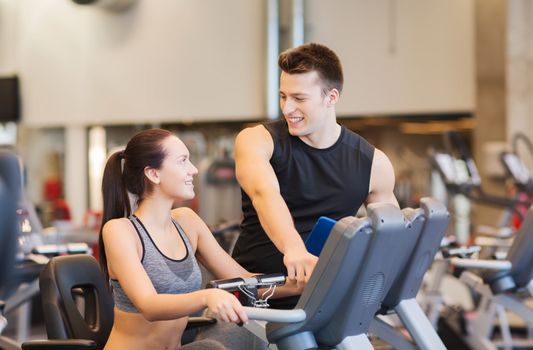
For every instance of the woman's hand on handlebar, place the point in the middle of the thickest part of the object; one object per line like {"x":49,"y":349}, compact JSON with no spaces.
{"x":225,"y":306}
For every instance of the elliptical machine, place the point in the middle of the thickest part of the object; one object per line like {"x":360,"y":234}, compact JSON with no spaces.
{"x":465,"y":182}
{"x":9,"y":230}
{"x":521,"y":182}
{"x":28,"y":254}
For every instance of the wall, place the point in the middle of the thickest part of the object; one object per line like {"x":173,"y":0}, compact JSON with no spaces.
{"x":171,"y":60}
{"x":164,"y":60}
{"x":8,"y":37}
{"x":168,"y":61}
{"x":491,"y":103}
{"x":399,"y":56}
{"x":519,"y":67}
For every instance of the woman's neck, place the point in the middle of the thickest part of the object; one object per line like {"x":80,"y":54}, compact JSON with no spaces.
{"x":155,"y":212}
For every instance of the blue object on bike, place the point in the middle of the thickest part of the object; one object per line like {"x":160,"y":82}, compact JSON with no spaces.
{"x":319,"y":234}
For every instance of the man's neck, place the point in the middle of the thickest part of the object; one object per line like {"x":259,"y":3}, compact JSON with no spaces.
{"x":324,"y":137}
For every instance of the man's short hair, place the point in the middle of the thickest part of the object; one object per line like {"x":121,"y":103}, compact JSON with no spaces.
{"x":314,"y":57}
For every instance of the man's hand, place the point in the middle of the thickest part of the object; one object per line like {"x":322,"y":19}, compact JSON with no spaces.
{"x":300,"y":264}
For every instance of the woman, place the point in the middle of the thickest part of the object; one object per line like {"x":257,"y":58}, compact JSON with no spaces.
{"x":149,"y":253}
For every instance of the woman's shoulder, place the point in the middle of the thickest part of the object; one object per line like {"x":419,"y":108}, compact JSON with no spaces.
{"x":122,"y":225}
{"x":184,"y":214}
{"x":190,"y":222}
{"x":117,"y":223}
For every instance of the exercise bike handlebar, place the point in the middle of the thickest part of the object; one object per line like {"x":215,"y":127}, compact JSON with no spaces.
{"x":459,"y":252}
{"x":495,"y":232}
{"x":498,"y":265}
{"x":258,"y":281}
{"x":495,"y":242}
{"x":275,"y":315}
{"x":235,"y":284}
{"x":498,"y":201}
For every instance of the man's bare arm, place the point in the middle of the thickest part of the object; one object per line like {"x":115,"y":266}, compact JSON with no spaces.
{"x":381,"y":180}
{"x":253,"y":150}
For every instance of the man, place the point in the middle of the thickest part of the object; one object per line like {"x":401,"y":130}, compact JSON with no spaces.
{"x":297,"y":169}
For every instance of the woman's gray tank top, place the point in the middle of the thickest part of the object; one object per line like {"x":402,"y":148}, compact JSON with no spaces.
{"x":169,"y":276}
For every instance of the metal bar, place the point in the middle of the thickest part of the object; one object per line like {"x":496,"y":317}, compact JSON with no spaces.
{"x":418,"y":325}
{"x":272,"y":76}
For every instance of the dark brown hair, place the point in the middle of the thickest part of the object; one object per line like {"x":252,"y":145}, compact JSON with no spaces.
{"x":314,"y":57}
{"x":124,"y":172}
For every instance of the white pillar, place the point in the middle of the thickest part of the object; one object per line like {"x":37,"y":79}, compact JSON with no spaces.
{"x":272,"y":99}
{"x":520,"y":70}
{"x":297,"y":23}
{"x":76,"y":171}
{"x":97,"y":159}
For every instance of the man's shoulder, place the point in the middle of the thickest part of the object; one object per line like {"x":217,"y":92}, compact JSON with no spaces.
{"x":277,"y":128}
{"x":270,"y":131}
{"x":254,"y":133}
{"x":353,"y":139}
{"x":253,"y":140}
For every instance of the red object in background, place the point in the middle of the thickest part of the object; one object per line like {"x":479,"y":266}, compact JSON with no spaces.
{"x":52,"y":189}
{"x":61,"y":210}
{"x":96,"y":250}
{"x":53,"y":192}
{"x":517,"y":220}
{"x":93,"y":220}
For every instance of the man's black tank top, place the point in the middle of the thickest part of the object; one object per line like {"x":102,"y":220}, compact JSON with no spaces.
{"x":331,"y":182}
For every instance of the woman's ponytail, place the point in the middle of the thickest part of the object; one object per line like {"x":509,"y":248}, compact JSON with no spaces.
{"x":115,"y":197}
